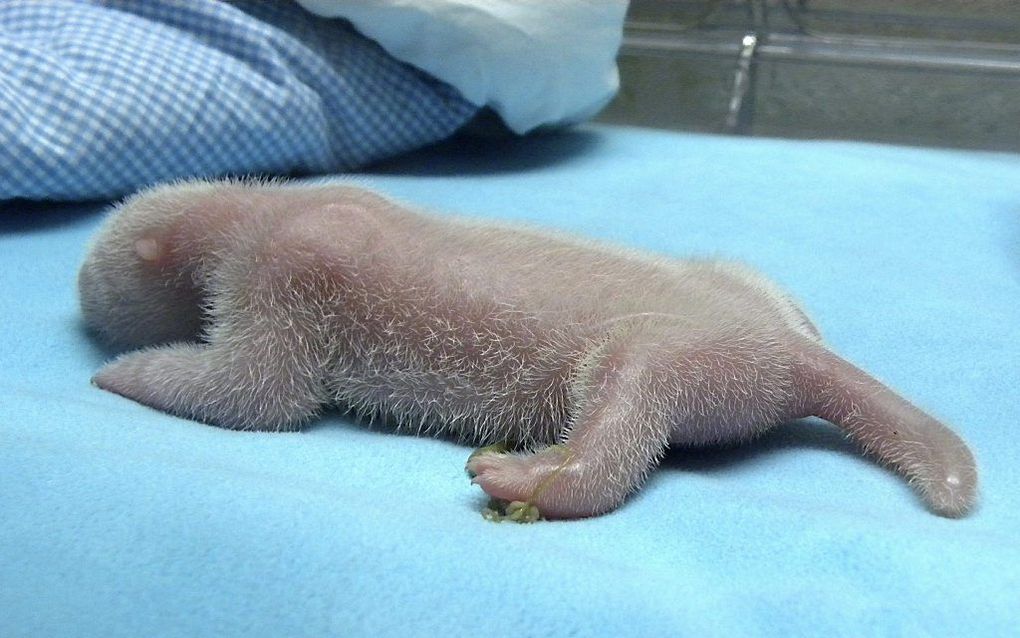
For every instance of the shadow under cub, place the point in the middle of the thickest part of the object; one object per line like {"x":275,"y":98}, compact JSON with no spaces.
{"x":809,"y":433}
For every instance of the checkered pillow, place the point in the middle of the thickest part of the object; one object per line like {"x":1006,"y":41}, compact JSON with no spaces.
{"x":99,"y":98}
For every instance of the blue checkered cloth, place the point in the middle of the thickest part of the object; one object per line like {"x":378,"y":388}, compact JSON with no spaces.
{"x":100,"y":98}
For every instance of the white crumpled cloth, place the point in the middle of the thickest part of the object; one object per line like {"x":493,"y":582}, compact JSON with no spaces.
{"x":535,"y":62}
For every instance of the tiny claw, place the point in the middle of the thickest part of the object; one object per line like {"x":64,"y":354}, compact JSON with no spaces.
{"x":495,"y":448}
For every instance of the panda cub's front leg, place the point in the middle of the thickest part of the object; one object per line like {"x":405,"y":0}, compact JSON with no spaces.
{"x":261,"y":368}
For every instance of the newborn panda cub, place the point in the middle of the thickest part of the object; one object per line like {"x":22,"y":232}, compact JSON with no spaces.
{"x":253,"y":306}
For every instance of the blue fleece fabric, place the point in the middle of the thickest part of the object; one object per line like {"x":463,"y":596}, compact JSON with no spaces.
{"x":121,"y":521}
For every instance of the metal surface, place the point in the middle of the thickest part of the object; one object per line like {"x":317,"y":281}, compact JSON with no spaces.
{"x":933,"y":55}
{"x":930,"y":72}
{"x":738,"y":115}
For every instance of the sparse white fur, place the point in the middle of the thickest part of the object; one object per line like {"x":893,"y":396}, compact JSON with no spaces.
{"x":256,"y":304}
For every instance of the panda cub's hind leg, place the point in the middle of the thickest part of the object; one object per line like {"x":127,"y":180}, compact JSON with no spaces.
{"x":620,"y":427}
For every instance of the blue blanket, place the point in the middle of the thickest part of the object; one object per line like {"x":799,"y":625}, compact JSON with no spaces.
{"x":121,"y":521}
{"x":101,"y":97}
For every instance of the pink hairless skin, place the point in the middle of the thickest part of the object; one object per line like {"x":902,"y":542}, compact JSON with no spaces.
{"x":252,"y":306}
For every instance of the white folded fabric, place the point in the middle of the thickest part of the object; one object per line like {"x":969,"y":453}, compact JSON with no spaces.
{"x":535,"y":62}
